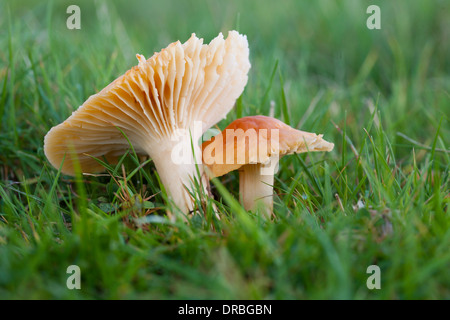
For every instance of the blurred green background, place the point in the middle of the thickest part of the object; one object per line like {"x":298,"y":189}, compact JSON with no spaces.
{"x":316,"y":66}
{"x":324,"y":50}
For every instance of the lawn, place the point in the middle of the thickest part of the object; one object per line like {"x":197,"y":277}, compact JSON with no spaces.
{"x":381,"y":197}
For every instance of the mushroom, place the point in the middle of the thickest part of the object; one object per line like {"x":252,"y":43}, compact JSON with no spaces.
{"x":161,"y":105}
{"x":254,"y":145}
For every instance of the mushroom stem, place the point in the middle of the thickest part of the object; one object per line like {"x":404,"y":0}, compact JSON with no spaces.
{"x":177,"y":173}
{"x":256,"y":187}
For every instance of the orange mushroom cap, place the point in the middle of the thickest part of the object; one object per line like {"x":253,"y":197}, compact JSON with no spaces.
{"x":255,"y":139}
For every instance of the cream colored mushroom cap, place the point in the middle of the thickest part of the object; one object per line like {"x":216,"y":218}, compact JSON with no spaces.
{"x":175,"y":87}
{"x":255,"y":139}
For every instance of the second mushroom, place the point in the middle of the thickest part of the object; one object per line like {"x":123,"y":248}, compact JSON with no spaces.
{"x":254,"y":145}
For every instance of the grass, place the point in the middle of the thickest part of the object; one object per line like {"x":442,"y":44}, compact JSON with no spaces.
{"x":380,"y":198}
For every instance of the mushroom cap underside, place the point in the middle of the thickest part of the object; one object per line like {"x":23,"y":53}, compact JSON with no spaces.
{"x":181,"y":84}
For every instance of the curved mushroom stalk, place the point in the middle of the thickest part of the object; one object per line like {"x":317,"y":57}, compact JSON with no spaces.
{"x":178,"y":162}
{"x":175,"y":88}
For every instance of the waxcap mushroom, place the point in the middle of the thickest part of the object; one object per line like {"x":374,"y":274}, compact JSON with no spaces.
{"x":254,"y":145}
{"x":176,"y":90}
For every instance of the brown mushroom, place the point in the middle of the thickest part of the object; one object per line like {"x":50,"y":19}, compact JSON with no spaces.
{"x":254,"y":145}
